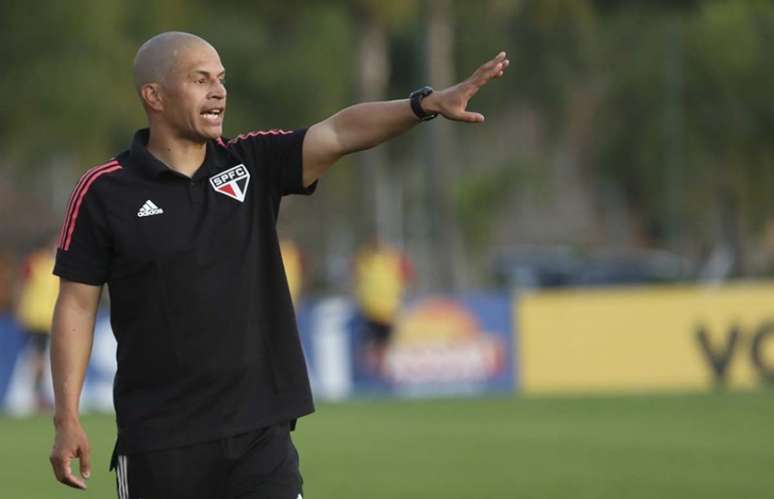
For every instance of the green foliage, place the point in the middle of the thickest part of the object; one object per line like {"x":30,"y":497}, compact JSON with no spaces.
{"x":72,"y":88}
{"x":63,"y":87}
{"x":684,"y":121}
{"x":676,"y":95}
{"x":479,"y":197}
{"x":284,"y":73}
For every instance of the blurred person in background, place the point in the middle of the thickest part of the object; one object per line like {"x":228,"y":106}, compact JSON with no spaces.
{"x":7,"y":278}
{"x":293,"y":262}
{"x":382,"y":273}
{"x":182,"y":227}
{"x":764,"y":261}
{"x":34,"y":313}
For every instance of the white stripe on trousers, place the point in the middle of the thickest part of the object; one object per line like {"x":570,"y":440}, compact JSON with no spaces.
{"x":119,"y":481}
{"x":123,"y":484}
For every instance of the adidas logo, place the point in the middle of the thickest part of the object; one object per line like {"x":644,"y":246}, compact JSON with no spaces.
{"x":149,"y":209}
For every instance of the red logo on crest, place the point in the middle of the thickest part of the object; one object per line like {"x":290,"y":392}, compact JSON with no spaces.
{"x":232,"y":182}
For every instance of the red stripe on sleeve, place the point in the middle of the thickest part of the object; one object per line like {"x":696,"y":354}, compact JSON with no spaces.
{"x":73,"y":219}
{"x":84,"y":178}
{"x":243,"y":136}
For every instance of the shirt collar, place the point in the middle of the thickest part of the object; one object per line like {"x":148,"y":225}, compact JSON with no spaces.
{"x":154,"y":168}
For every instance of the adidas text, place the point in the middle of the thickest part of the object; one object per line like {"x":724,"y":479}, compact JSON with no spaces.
{"x":148,"y":209}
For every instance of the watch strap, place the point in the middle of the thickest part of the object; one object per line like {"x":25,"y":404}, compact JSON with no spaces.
{"x":416,"y":103}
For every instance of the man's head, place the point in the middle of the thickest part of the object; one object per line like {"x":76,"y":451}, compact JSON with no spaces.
{"x":180,"y":80}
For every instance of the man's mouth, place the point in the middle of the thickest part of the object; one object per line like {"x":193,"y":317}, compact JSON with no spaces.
{"x":213,"y":115}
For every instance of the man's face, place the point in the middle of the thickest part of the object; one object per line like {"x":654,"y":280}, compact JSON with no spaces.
{"x":195,"y":94}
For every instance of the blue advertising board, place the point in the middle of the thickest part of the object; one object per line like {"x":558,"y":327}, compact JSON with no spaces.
{"x":438,"y":345}
{"x":17,"y":390}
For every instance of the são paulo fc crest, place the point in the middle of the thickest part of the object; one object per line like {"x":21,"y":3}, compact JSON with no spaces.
{"x":232,"y":182}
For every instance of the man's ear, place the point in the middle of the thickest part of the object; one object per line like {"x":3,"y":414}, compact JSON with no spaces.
{"x":152,"y":96}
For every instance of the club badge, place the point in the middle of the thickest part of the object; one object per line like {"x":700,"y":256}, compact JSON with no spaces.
{"x":232,"y":182}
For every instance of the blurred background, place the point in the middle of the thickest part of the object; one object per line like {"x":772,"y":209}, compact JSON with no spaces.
{"x":572,"y":298}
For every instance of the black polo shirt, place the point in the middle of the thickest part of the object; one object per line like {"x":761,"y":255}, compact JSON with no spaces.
{"x":207,"y":339}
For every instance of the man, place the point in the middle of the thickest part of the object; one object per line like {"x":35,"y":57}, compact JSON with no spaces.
{"x":181,"y":227}
{"x":34,"y":310}
{"x":382,"y":274}
{"x":293,"y":262}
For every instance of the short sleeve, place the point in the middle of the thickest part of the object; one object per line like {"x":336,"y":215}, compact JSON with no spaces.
{"x":280,"y":154}
{"x":83,"y":254}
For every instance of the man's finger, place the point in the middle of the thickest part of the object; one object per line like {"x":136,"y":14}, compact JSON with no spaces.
{"x":72,"y":480}
{"x":494,"y":60}
{"x":487,"y":75}
{"x":499,"y":67}
{"x":85,"y":463}
{"x":498,"y":59}
{"x":494,"y":71}
{"x":502,"y":71}
{"x":488,"y":66}
{"x":470,"y":117}
{"x":64,"y":474}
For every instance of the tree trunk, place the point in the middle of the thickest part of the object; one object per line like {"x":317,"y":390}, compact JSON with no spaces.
{"x":381,"y":210}
{"x":441,"y":168}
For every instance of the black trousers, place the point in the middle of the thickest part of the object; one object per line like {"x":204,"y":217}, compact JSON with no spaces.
{"x":261,"y":464}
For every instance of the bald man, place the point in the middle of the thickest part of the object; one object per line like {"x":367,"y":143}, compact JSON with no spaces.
{"x":181,"y":228}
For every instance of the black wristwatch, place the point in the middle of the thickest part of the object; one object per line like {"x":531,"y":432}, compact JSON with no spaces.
{"x":416,"y":103}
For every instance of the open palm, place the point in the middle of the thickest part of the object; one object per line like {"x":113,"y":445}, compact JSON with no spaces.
{"x":452,"y":102}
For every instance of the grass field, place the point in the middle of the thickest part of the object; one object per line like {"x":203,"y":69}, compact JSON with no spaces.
{"x":669,"y":446}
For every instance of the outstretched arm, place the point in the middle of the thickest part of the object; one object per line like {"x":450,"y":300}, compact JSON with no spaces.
{"x":366,"y":125}
{"x":71,"y":340}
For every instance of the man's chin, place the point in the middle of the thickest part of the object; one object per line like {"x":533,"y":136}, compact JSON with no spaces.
{"x":216,"y":134}
{"x":211,"y":132}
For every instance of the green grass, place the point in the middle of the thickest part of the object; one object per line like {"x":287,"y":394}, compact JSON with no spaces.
{"x":668,"y":446}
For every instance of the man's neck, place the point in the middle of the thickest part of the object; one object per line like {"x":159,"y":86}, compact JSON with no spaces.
{"x":181,"y":155}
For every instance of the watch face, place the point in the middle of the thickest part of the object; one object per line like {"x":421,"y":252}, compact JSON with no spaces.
{"x":422,"y":92}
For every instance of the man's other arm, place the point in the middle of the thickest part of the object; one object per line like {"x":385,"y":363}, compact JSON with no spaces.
{"x":71,"y":340}
{"x":366,"y":125}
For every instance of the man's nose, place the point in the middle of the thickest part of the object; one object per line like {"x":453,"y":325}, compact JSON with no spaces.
{"x":218,"y":91}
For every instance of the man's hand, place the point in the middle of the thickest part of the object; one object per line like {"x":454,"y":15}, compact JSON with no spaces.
{"x":452,"y":102}
{"x":70,"y":443}
{"x":366,"y":125}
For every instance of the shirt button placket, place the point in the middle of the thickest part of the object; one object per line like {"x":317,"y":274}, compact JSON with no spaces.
{"x":195,"y":191}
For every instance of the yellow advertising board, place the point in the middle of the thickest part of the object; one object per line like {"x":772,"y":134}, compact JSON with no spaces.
{"x":654,"y":338}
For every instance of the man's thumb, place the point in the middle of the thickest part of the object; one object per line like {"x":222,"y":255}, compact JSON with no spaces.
{"x":471,"y":117}
{"x":85,"y":464}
